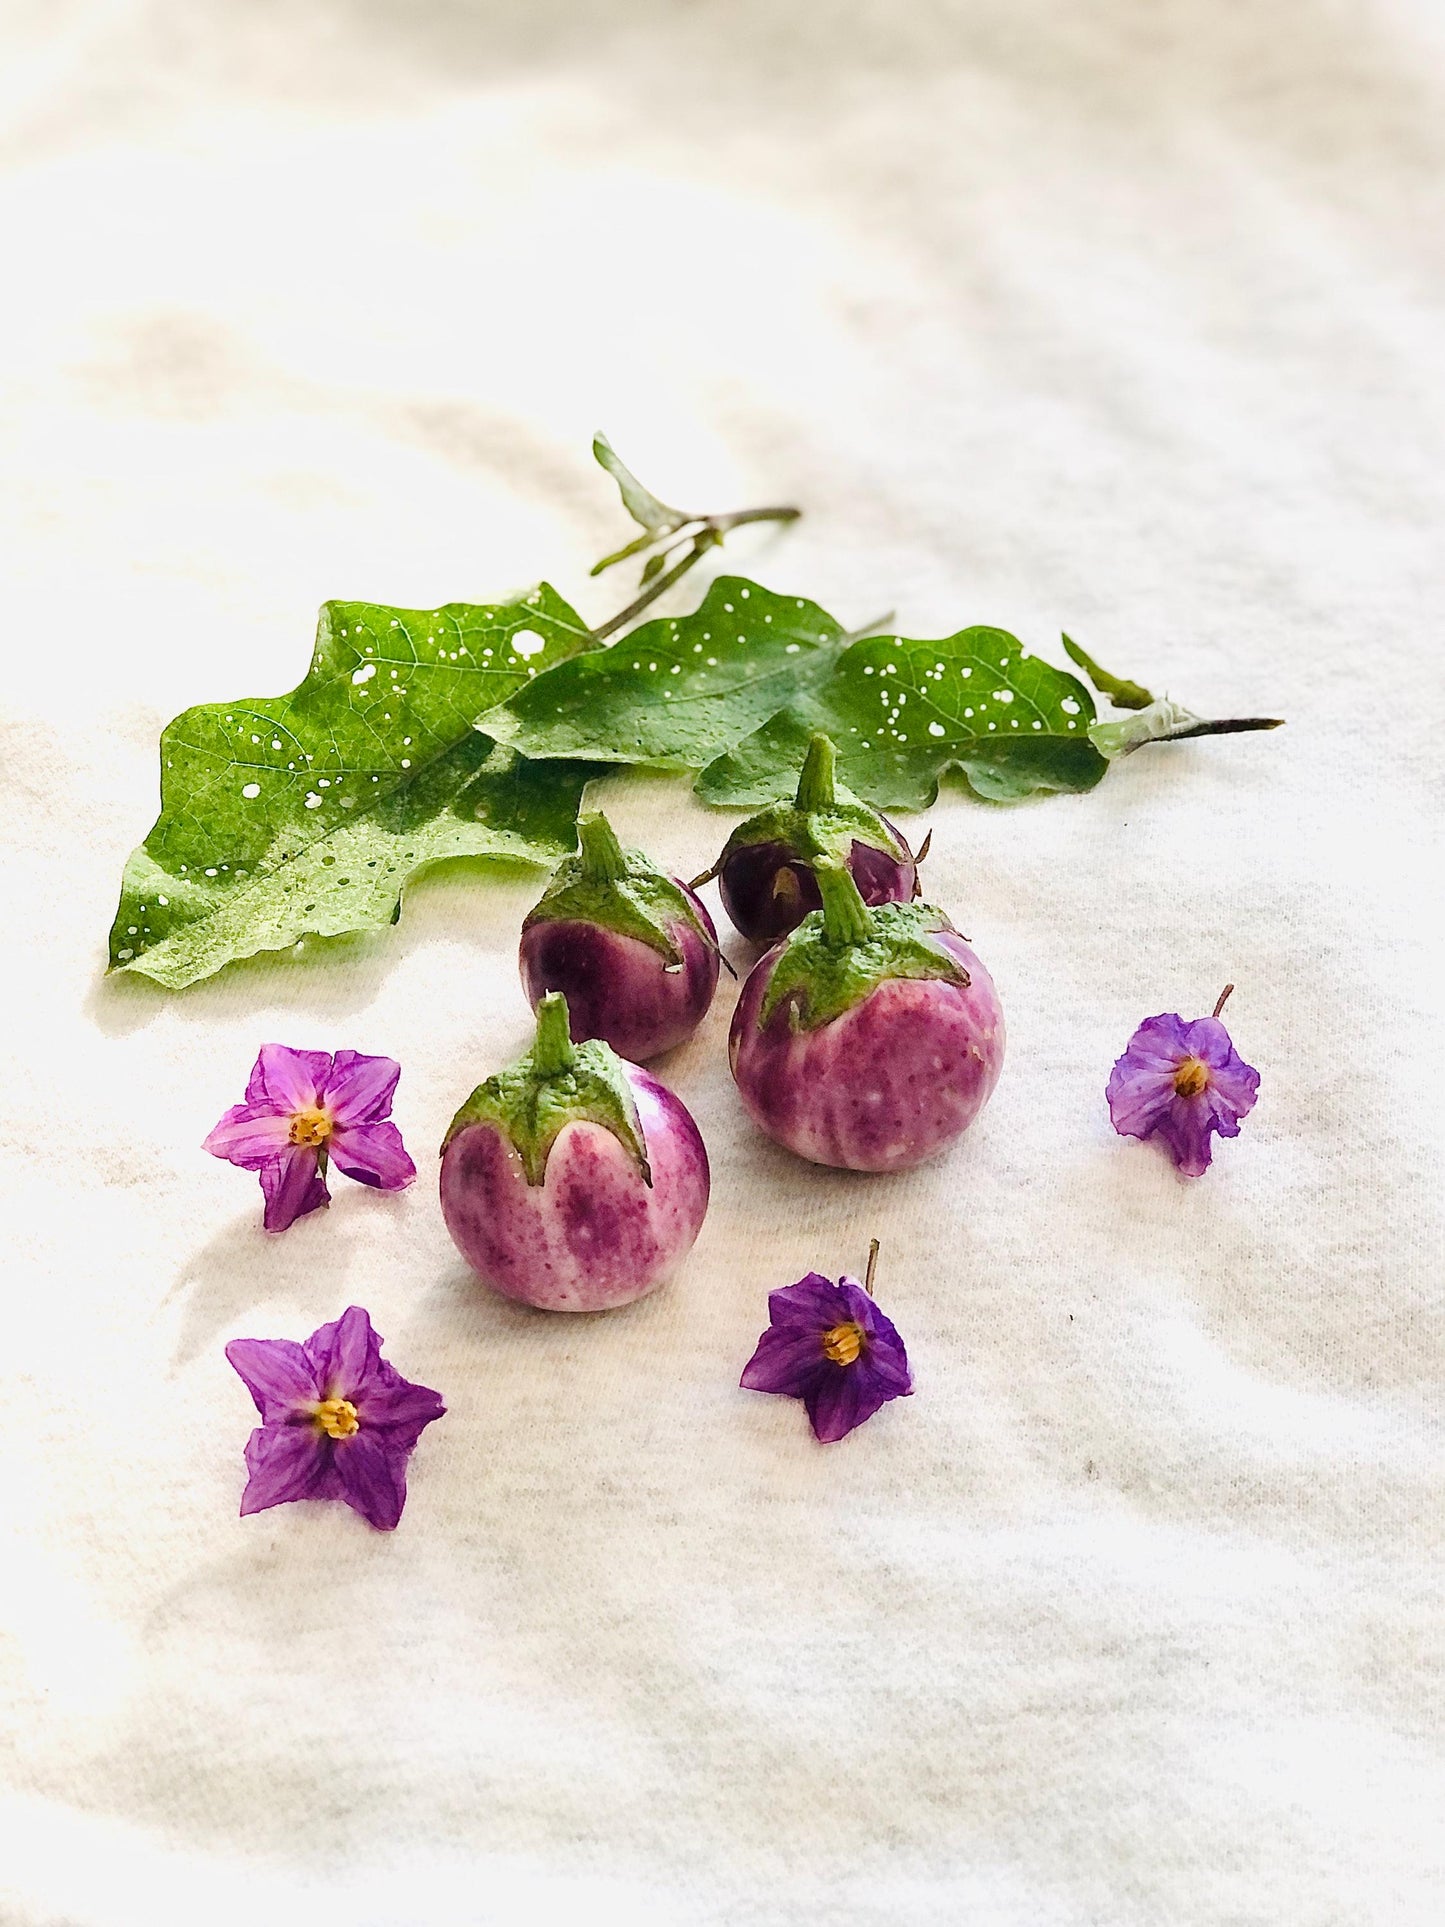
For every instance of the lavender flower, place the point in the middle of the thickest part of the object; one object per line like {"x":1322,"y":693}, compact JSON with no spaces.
{"x":304,"y":1108}
{"x":830,"y":1346}
{"x":1180,"y":1083}
{"x":337,"y":1422}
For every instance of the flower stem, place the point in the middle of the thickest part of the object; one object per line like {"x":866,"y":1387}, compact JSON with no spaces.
{"x":1224,"y":997}
{"x":846,"y":917}
{"x":552,"y":1052}
{"x":602,"y":858}
{"x":708,"y":532}
{"x":872,"y":1266}
{"x":816,"y":784}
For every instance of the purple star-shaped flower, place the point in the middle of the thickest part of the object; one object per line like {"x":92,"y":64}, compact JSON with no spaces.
{"x":305,"y":1108}
{"x":1180,"y":1083}
{"x":830,"y":1346}
{"x":337,"y":1422}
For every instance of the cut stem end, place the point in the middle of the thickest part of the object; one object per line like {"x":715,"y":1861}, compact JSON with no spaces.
{"x":846,"y":917}
{"x":817,"y":782}
{"x":552,"y":1052}
{"x":602,"y":858}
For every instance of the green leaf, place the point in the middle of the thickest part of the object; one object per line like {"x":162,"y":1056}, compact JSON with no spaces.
{"x":677,"y":693}
{"x":641,"y":504}
{"x":903,"y":712}
{"x":306,"y":813}
{"x":1122,"y":694}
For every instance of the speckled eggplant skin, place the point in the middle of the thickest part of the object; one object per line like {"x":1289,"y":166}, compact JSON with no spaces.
{"x":884,"y":1086}
{"x":592,"y":1235}
{"x":619,"y":988}
{"x":767,"y":889}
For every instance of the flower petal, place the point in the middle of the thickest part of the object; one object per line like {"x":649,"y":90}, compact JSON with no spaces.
{"x":1232,"y":1082}
{"x":372,"y":1154}
{"x":287,"y":1462}
{"x":293,"y":1186}
{"x":249,"y":1137}
{"x":843,"y":1400}
{"x":289,"y":1079}
{"x":389,"y":1403}
{"x":788,"y":1359}
{"x":815,"y":1302}
{"x":371,"y":1471}
{"x":885,"y":1357}
{"x":277,"y":1374}
{"x":1185,"y":1130}
{"x":359,"y":1089}
{"x":1141,"y":1084}
{"x":344,"y":1353}
{"x":1160,"y":1040}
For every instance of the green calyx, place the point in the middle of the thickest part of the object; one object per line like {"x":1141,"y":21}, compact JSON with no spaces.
{"x":556,"y":1084}
{"x":618,"y":889}
{"x":821,"y":821}
{"x":841,"y":953}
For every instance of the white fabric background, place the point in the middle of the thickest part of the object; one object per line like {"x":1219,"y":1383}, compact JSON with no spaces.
{"x":1123,"y":319}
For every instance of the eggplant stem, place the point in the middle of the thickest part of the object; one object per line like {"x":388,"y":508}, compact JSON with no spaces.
{"x":1224,"y":997}
{"x":553,"y":1052}
{"x":816,"y":782}
{"x":602,"y":858}
{"x":872,"y":1266}
{"x":846,"y":917}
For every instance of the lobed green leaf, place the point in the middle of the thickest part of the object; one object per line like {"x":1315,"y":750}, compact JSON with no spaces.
{"x":306,"y":813}
{"x":903,"y":712}
{"x":677,"y":693}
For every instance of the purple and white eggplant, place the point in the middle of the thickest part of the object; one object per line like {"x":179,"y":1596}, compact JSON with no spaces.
{"x":573,"y":1180}
{"x":766,"y":870}
{"x":633,"y":951}
{"x":871,"y":1037}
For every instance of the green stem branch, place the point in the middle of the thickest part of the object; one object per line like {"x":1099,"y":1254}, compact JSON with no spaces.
{"x":707,"y":532}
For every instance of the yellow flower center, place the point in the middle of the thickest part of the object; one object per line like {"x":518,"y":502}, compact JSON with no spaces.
{"x":843,"y":1343}
{"x":1191,"y":1077}
{"x":310,"y":1127}
{"x":337,"y":1417}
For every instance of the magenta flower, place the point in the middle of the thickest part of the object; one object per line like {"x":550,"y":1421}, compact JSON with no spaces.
{"x":830,"y":1346}
{"x":305,"y":1108}
{"x":337,"y":1422}
{"x":1180,"y":1083}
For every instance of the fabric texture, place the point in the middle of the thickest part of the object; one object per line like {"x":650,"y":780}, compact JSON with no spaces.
{"x":1121,"y":319}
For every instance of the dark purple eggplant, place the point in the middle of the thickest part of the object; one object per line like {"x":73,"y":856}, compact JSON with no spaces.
{"x":765,"y":871}
{"x":633,"y":951}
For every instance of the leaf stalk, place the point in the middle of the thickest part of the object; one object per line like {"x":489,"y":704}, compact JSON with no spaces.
{"x":701,"y":532}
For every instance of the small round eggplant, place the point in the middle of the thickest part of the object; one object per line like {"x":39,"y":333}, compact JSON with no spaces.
{"x":633,"y":951}
{"x":870,"y":1038}
{"x":766,"y":870}
{"x":573,"y":1181}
